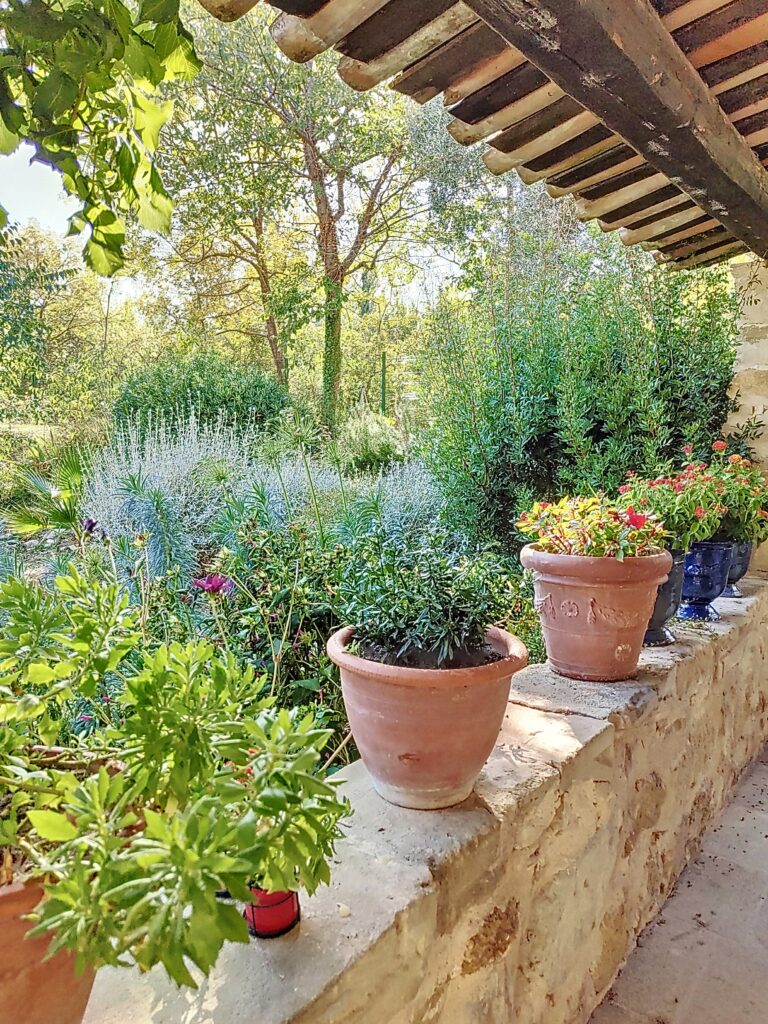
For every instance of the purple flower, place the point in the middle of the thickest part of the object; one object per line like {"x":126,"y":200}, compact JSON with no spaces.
{"x":214,"y":583}
{"x":86,"y":718}
{"x":89,"y":525}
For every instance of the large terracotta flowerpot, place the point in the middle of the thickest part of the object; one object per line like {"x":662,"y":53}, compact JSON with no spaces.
{"x":424,"y":734}
{"x":707,"y":565}
{"x":594,"y":611}
{"x":34,"y":991}
{"x":668,"y":599}
{"x":742,"y":553}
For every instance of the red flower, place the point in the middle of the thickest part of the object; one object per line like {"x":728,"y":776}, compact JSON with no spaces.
{"x":636,"y":519}
{"x":719,"y":446}
{"x":699,"y":512}
{"x":688,"y":449}
{"x":624,"y":488}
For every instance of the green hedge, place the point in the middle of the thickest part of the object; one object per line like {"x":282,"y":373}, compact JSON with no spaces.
{"x":208,"y":384}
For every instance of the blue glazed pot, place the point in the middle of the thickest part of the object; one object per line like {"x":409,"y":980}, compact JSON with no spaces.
{"x":667,"y":602}
{"x":742,"y":553}
{"x":707,"y":565}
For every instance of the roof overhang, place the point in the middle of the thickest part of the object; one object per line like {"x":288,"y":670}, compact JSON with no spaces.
{"x":653,"y":115}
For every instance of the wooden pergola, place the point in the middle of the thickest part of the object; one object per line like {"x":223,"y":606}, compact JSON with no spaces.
{"x":653,"y":114}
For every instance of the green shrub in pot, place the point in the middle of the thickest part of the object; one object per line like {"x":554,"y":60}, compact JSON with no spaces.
{"x":425,"y":674}
{"x":189,"y":785}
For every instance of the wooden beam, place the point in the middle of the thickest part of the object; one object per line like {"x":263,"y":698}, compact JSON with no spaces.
{"x":711,"y":256}
{"x":617,"y":59}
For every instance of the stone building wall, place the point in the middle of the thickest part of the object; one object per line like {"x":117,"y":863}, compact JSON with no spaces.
{"x":751,"y":279}
{"x":521,"y":904}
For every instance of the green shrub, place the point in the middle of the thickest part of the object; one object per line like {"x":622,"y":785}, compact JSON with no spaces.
{"x":569,"y":376}
{"x":207,"y":384}
{"x":368,"y":442}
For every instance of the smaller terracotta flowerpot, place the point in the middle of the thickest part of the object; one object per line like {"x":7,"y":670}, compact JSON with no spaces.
{"x":424,"y":734}
{"x":594,"y":611}
{"x":270,"y":914}
{"x":668,"y":599}
{"x":742,"y":554}
{"x":707,"y":565}
{"x":34,"y":990}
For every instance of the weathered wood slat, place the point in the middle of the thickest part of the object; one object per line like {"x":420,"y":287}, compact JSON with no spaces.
{"x":660,"y":227}
{"x":618,"y":181}
{"x":390,"y":26}
{"x":537,"y":125}
{"x":666,"y":193}
{"x":362,"y":75}
{"x":301,"y":39}
{"x":712,"y":256}
{"x":706,"y":248}
{"x":434,"y":73}
{"x":629,"y":199}
{"x":676,"y":250}
{"x":498,"y":161}
{"x":228,"y":10}
{"x":689,"y":10}
{"x":525,"y":107}
{"x":744,"y":95}
{"x":503,"y":91}
{"x":300,"y":8}
{"x":675,"y":234}
{"x":617,"y":59}
{"x":739,"y":38}
{"x":729,"y":68}
{"x":720,"y":258}
{"x":719,"y":23}
{"x":583,"y":143}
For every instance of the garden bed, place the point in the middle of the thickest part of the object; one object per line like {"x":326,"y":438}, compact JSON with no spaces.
{"x":523,"y":902}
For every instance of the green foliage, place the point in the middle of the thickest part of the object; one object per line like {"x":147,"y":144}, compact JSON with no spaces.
{"x":570,"y":373}
{"x":422,"y":597}
{"x":213,"y":387}
{"x":594,"y":527}
{"x":194,"y":786}
{"x":77,"y":83}
{"x":49,"y":503}
{"x":23,"y":288}
{"x":368,"y":442}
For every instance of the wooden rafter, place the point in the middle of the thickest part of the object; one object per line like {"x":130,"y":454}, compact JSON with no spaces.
{"x":618,"y":60}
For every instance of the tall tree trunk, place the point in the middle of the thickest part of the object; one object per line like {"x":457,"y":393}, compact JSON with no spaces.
{"x":331,"y":351}
{"x":265,"y":285}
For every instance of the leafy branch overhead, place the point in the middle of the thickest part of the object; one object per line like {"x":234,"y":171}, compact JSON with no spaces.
{"x":77,"y":82}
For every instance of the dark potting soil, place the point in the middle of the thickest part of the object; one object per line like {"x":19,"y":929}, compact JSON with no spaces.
{"x":428,"y":659}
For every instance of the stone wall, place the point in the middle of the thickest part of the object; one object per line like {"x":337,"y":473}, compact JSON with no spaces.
{"x":521,"y":904}
{"x":751,"y":280}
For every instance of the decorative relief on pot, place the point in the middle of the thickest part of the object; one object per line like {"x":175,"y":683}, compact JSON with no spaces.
{"x":618,"y":617}
{"x":622,"y":652}
{"x":570,"y":609}
{"x":545,"y":606}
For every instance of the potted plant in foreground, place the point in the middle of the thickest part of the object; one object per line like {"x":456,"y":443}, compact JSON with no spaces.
{"x":688,"y":507}
{"x":116,"y":840}
{"x":425,"y":675}
{"x":745,"y":523}
{"x":596,"y":568}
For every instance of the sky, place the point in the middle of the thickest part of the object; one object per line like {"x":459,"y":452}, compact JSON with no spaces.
{"x":33,"y":192}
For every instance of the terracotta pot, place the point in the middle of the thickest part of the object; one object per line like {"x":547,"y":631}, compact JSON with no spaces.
{"x":594,"y":611}
{"x":270,"y":914}
{"x":424,"y":734}
{"x":34,"y":991}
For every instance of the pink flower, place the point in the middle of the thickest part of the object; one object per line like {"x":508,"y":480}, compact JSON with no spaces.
{"x":719,"y":446}
{"x":688,"y":449}
{"x":699,"y":512}
{"x":624,"y":488}
{"x":214,"y":583}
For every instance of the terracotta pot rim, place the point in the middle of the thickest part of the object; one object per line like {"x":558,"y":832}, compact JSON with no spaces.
{"x":442,"y":678}
{"x":19,"y":891}
{"x":599,"y":568}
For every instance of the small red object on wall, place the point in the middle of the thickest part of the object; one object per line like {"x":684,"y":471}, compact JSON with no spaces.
{"x":270,"y":914}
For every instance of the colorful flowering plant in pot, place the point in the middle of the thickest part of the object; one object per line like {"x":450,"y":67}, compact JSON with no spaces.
{"x":114,"y":843}
{"x":745,"y":494}
{"x":425,"y":674}
{"x":688,"y":505}
{"x":597,"y":567}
